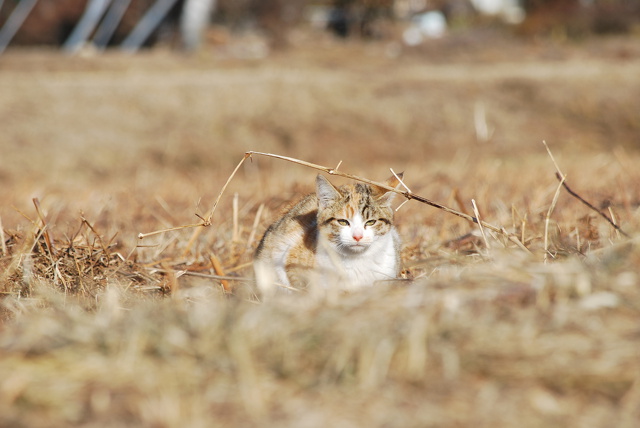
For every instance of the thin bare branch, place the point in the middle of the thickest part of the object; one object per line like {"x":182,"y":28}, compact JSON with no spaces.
{"x":603,"y":215}
{"x":562,"y":178}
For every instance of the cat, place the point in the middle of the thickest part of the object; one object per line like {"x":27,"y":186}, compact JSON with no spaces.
{"x":341,"y":236}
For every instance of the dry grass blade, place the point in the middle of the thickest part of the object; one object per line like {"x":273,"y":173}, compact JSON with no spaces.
{"x":172,"y":280}
{"x":2,"y":239}
{"x":100,"y":241}
{"x":254,"y":227}
{"x":403,"y":185}
{"x":45,"y":232}
{"x":206,"y":275}
{"x":477,"y":213}
{"x":235,"y":237}
{"x":400,"y":180}
{"x":217,"y":201}
{"x":613,"y":219}
{"x":548,"y":219}
{"x":206,"y":221}
{"x":217,"y":268}
{"x":170,"y":229}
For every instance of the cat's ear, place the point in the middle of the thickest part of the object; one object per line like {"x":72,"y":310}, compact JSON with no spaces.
{"x":327,"y":194}
{"x":385,"y":196}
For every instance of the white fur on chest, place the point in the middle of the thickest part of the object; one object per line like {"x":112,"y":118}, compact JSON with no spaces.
{"x":378,"y":262}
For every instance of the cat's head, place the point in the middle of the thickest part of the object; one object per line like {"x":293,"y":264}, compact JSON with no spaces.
{"x":354,"y":216}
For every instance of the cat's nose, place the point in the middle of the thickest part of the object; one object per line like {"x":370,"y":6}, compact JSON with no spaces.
{"x":357,"y":235}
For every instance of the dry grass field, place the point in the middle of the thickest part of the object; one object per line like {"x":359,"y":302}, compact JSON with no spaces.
{"x":101,"y":329}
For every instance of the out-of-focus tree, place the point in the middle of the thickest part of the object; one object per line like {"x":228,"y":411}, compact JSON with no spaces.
{"x":274,"y":18}
{"x":361,"y":18}
{"x":576,"y":18}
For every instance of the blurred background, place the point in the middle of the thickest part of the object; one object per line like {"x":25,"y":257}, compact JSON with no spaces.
{"x":121,"y":117}
{"x":187,"y":24}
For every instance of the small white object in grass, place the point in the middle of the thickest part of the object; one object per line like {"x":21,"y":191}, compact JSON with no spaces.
{"x":602,"y":299}
{"x":545,"y":402}
{"x":452,"y":302}
{"x":626,"y":279}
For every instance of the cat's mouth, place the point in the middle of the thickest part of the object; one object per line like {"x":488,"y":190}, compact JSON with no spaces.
{"x":357,"y":247}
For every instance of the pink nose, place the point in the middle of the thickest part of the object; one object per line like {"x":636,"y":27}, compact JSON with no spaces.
{"x":357,"y":236}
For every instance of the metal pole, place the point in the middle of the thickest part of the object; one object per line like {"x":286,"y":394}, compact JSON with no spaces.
{"x":92,"y":14}
{"x":15,"y":20}
{"x":110,"y":23}
{"x":147,"y":24}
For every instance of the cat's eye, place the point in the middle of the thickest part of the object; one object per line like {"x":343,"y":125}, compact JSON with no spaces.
{"x":370,"y":222}
{"x":342,"y":222}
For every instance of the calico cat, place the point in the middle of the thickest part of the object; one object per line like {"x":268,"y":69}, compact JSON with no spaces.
{"x":338,"y":236}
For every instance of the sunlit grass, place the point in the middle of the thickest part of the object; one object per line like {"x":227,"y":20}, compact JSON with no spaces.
{"x":100,"y":328}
